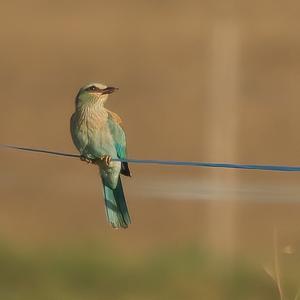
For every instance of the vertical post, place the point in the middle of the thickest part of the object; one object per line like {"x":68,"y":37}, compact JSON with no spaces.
{"x":222,"y":128}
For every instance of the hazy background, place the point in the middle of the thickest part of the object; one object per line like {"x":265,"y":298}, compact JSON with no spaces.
{"x":199,"y":80}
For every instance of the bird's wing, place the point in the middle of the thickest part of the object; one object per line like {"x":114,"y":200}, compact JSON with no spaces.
{"x":118,"y":134}
{"x":79,"y":141}
{"x":119,"y":139}
{"x":114,"y":116}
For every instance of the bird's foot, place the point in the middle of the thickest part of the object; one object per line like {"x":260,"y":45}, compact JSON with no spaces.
{"x":106,"y":159}
{"x":85,"y":159}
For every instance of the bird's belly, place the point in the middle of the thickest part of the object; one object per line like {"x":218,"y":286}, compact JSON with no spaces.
{"x":95,"y":140}
{"x":99,"y":142}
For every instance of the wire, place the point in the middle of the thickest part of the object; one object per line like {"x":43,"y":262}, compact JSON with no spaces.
{"x":39,"y":150}
{"x":170,"y":162}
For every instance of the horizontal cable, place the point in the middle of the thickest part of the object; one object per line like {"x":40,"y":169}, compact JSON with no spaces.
{"x":39,"y":150}
{"x":170,"y":162}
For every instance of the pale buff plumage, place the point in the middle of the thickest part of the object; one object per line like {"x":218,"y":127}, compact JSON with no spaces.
{"x":96,"y":132}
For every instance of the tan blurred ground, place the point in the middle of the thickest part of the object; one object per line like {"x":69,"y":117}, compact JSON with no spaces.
{"x":159,"y":54}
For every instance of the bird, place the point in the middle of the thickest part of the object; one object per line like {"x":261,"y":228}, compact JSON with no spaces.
{"x":98,"y":135}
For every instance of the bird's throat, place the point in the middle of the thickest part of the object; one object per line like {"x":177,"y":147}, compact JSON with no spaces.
{"x":92,"y":112}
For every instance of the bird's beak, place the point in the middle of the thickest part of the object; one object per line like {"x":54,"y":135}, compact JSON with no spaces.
{"x":109,"y":90}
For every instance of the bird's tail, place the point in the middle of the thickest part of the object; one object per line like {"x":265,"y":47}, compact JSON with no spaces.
{"x":116,"y":208}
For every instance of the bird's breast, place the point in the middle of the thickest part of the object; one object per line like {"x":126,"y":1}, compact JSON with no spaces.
{"x":94,"y":129}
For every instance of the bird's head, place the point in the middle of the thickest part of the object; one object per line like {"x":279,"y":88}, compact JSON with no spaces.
{"x":93,"y":93}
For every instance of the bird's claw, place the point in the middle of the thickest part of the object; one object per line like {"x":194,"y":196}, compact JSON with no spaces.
{"x":85,"y":159}
{"x":106,"y":159}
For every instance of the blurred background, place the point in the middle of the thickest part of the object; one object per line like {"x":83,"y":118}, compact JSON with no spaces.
{"x":199,"y":80}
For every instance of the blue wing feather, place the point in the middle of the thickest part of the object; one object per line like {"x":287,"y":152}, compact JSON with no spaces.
{"x":118,"y":136}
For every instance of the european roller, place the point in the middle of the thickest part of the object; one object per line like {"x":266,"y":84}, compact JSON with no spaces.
{"x":98,"y":135}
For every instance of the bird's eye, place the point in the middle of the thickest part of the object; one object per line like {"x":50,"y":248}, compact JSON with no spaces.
{"x":92,"y":88}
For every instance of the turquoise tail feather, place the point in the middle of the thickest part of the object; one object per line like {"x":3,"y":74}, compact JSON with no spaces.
{"x":116,"y":208}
